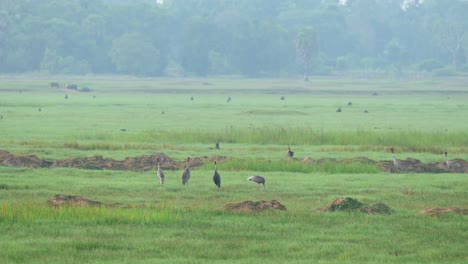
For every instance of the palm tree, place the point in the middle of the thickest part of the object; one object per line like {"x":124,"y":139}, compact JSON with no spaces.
{"x":306,"y":49}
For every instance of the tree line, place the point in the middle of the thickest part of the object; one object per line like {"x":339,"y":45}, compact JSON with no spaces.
{"x":252,"y":38}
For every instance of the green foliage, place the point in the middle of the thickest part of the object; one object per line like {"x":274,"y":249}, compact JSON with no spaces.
{"x":135,"y":55}
{"x":54,"y":64}
{"x":252,"y":38}
{"x":307,"y":49}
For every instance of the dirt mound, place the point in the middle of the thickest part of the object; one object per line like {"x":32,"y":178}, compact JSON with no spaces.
{"x":145,"y":162}
{"x":148,"y":162}
{"x":438,"y":211}
{"x":308,"y":160}
{"x":253,"y":207}
{"x":349,"y":204}
{"x":30,"y":161}
{"x":358,"y":160}
{"x":416,"y":166}
{"x":71,"y":200}
{"x":455,"y":165}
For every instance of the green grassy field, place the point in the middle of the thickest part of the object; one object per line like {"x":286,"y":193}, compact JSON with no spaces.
{"x":126,"y":117}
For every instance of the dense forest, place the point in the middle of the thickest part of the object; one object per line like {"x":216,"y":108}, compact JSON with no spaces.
{"x":252,"y":38}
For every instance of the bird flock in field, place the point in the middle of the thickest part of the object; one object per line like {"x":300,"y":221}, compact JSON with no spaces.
{"x":216,"y":176}
{"x":399,"y":165}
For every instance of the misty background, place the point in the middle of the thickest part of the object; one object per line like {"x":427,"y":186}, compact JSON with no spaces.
{"x":251,"y":38}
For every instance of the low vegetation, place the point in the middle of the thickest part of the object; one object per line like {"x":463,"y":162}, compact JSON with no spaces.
{"x":171,"y":223}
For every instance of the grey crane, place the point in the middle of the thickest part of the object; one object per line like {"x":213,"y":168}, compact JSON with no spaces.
{"x":290,"y":152}
{"x":216,"y":176}
{"x":451,"y":164}
{"x":161,"y":175}
{"x":186,"y":174}
{"x":398,"y":164}
{"x":257,"y":179}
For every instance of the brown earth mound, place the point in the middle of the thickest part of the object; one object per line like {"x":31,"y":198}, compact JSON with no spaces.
{"x":30,"y":161}
{"x":438,"y":211}
{"x":148,"y":162}
{"x":71,"y":200}
{"x":143,"y":163}
{"x":416,"y":166}
{"x":139,"y":163}
{"x":253,"y":207}
{"x":349,"y":204}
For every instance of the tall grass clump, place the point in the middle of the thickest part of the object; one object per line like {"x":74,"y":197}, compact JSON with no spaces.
{"x":294,"y":166}
{"x":30,"y":212}
{"x":310,"y":136}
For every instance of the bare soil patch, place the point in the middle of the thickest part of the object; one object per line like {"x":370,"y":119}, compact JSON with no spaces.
{"x":148,"y":162}
{"x":30,"y":161}
{"x":349,"y":204}
{"x":139,"y":163}
{"x":60,"y":200}
{"x":254,"y":207}
{"x":438,"y":211}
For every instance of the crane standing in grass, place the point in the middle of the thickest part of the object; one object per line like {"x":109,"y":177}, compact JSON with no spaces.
{"x":257,"y":179}
{"x":451,"y":164}
{"x":216,"y":176}
{"x":186,"y":174}
{"x":447,"y":163}
{"x":160,"y":173}
{"x":290,"y":152}
{"x":398,"y":164}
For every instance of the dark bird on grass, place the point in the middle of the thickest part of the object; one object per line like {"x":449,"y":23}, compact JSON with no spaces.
{"x":290,"y":152}
{"x":257,"y":179}
{"x":217,"y":145}
{"x":365,"y":111}
{"x":398,"y":163}
{"x":350,"y":103}
{"x":282,"y":98}
{"x":338,"y":110}
{"x":39,"y":109}
{"x":216,"y":176}
{"x":229,"y":99}
{"x":186,"y":174}
{"x":191,"y":98}
{"x":66,"y":96}
{"x":161,"y":175}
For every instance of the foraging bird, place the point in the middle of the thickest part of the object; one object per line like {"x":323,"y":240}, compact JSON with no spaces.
{"x":161,"y":175}
{"x":186,"y":174}
{"x":216,"y":176}
{"x":217,"y":145}
{"x":257,"y":179}
{"x":350,"y":103}
{"x":282,"y":98}
{"x":338,"y":110}
{"x":290,"y":152}
{"x":229,"y":99}
{"x":398,"y":164}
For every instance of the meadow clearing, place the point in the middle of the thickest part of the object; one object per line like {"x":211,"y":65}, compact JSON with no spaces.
{"x":126,"y":117}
